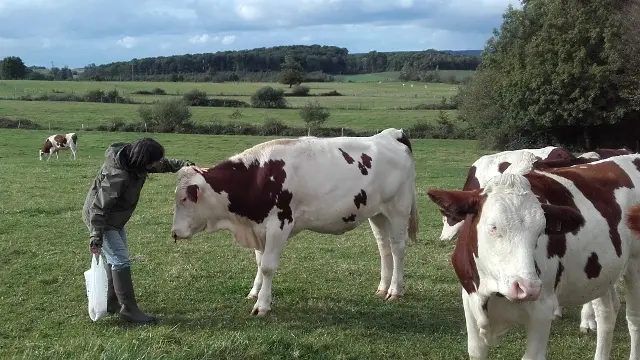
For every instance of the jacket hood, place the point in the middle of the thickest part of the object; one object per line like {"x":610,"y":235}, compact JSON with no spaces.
{"x":114,"y":156}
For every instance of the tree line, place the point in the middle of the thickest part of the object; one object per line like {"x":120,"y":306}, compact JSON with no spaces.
{"x":559,"y":72}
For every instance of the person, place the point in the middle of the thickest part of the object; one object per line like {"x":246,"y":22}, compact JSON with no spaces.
{"x":109,"y":204}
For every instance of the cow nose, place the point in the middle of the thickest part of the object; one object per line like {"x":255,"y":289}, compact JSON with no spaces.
{"x":526,"y":290}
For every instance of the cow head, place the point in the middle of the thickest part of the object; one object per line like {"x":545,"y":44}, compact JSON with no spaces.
{"x":194,"y":207}
{"x":500,"y":234}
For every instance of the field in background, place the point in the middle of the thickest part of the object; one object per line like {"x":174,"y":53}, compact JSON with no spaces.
{"x":362,"y":106}
{"x":324,"y":304}
{"x":391,"y":76}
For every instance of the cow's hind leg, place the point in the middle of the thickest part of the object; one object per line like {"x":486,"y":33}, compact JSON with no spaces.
{"x":632,"y":279}
{"x":606,"y":311}
{"x":275,"y":241}
{"x":257,"y":282}
{"x":380,"y":228}
{"x":398,"y":239}
{"x":587,"y":318}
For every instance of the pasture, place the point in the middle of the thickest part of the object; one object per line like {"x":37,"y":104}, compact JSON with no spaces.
{"x":325,"y":307}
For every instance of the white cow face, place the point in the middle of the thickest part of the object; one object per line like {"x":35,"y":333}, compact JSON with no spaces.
{"x":190,"y":210}
{"x":507,"y":221}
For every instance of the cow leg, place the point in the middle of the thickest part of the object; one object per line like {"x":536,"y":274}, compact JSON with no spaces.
{"x":476,"y":346}
{"x":257,"y":282}
{"x":380,"y":228}
{"x":606,"y":311}
{"x":587,"y":318}
{"x":538,"y":329}
{"x":274,"y":244}
{"x":632,"y":279}
{"x":50,"y":153}
{"x":398,"y":239}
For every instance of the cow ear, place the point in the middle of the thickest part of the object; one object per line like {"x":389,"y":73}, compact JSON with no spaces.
{"x":193,"y":193}
{"x":561,"y":219}
{"x":456,"y":203}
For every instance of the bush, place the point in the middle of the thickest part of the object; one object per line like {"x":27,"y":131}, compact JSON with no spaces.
{"x":313,"y":114}
{"x":166,"y":115}
{"x":18,"y":124}
{"x":300,"y":90}
{"x":154,"y":91}
{"x":330,"y":93}
{"x":196,"y":97}
{"x":268,"y":97}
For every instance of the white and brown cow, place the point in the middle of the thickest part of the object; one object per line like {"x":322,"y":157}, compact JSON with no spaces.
{"x":541,"y":237}
{"x":57,"y":142}
{"x":603,"y":153}
{"x":274,"y":190}
{"x":488,"y":166}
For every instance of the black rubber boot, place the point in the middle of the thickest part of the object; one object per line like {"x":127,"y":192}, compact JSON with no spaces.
{"x":113,"y":306}
{"x":124,"y":290}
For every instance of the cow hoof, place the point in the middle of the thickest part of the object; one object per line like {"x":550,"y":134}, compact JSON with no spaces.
{"x":381,"y":293}
{"x":252,"y":296}
{"x":393,"y":297}
{"x":557,"y":316}
{"x":259,"y":312}
{"x":584,"y":330}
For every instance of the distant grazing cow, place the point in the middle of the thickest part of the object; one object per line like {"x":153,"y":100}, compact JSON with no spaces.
{"x":274,"y":190}
{"x":488,"y":166}
{"x":57,"y":142}
{"x":532,"y":239}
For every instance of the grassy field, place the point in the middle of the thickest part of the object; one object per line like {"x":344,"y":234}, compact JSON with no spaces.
{"x":390,"y":76}
{"x":357,"y":96}
{"x":324,"y":302}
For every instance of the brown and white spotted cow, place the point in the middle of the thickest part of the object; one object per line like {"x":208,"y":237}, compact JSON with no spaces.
{"x":274,"y":190}
{"x":599,"y":154}
{"x":57,"y":142}
{"x":536,"y":238}
{"x":488,"y":166}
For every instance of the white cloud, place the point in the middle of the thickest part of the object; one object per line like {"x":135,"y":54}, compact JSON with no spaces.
{"x":127,"y":42}
{"x":305,"y":39}
{"x":202,"y":39}
{"x":229,"y":39}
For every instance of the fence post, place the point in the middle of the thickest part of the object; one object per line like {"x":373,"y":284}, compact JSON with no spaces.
{"x":18,"y":124}
{"x":341,"y":131}
{"x":49,"y":125}
{"x":309,"y":131}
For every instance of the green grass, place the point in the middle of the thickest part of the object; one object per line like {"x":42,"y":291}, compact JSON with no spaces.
{"x":356,"y":95}
{"x":324,"y":303}
{"x":392,"y":76}
{"x":72,"y":115}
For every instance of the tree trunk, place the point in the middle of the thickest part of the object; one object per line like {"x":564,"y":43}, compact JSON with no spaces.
{"x":587,"y":139}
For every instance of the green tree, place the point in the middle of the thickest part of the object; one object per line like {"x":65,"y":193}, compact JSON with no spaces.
{"x":314,"y":114}
{"x":552,"y":64}
{"x":13,"y":68}
{"x":291,"y":72}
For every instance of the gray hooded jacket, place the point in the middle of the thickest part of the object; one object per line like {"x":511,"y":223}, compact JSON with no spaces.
{"x":115,"y":192}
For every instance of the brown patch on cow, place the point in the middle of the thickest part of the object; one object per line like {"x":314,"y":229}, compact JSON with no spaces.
{"x":598,"y":183}
{"x":607,"y":153}
{"x":636,"y":162}
{"x":253,"y":190}
{"x":549,"y":191}
{"x":559,"y":153}
{"x":46,"y":147}
{"x":360,"y":199}
{"x":350,"y":218}
{"x":456,"y":204}
{"x":472,"y":182}
{"x":192,"y":192}
{"x":60,"y":139}
{"x":465,"y":251}
{"x":503,"y":166}
{"x":347,"y":157}
{"x":558,"y":274}
{"x":633,"y":220}
{"x":593,"y":267}
{"x":561,"y":163}
{"x":365,"y":164}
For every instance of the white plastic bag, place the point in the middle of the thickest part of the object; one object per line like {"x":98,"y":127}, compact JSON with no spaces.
{"x":97,"y":283}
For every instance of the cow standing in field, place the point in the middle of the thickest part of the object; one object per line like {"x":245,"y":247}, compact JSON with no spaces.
{"x":57,"y":142}
{"x":274,"y":190}
{"x":488,"y":166}
{"x":532,"y":239}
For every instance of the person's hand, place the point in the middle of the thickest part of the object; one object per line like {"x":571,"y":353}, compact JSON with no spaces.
{"x":95,"y":247}
{"x":96,"y":250}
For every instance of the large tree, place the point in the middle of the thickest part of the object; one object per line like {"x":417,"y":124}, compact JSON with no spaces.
{"x":291,"y":72}
{"x":12,"y":68}
{"x":554,"y":63}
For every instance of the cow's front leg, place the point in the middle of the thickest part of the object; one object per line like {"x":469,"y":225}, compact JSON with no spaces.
{"x":269,"y":262}
{"x":538,"y":328}
{"x":476,"y":346}
{"x":257,"y":282}
{"x":380,"y":228}
{"x":606,"y":312}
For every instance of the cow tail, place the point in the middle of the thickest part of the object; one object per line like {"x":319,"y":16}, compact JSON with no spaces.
{"x":74,"y":137}
{"x":413,"y":218}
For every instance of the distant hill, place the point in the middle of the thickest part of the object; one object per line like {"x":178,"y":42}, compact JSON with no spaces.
{"x":464,"y":52}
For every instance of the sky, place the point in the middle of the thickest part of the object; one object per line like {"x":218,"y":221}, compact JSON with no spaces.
{"x":79,"y":32}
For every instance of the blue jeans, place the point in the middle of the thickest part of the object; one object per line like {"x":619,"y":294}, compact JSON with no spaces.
{"x":114,"y":248}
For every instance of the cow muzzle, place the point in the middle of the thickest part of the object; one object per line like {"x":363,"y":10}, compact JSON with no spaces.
{"x":524,"y":290}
